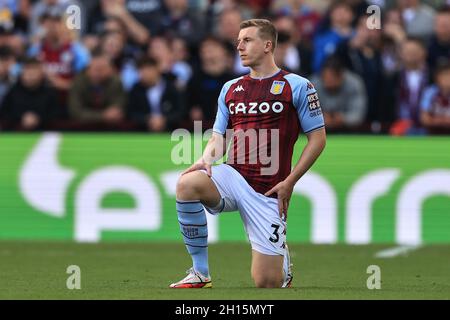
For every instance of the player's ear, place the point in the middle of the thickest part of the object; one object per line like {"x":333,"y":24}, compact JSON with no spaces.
{"x":268,"y":47}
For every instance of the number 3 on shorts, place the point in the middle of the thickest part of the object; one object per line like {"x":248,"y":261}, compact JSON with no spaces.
{"x":275,"y":233}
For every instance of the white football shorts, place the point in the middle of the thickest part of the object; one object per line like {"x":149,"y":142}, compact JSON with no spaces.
{"x":265,"y":229}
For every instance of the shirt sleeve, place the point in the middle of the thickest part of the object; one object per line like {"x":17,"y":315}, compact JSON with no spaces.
{"x":427,"y":98}
{"x":33,"y":50}
{"x":306,"y":102}
{"x":82,"y":56}
{"x":223,"y":115}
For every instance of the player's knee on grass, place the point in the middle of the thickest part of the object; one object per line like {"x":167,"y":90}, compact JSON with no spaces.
{"x":268,"y":281}
{"x":267,"y":270}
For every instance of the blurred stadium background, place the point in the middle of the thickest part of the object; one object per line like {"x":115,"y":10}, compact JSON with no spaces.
{"x":90,"y":92}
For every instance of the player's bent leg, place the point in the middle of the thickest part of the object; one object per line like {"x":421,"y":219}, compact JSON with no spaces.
{"x":193,"y":189}
{"x":198,"y":186}
{"x":267,"y":270}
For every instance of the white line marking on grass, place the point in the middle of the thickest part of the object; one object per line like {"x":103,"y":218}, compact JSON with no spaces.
{"x":396,"y":251}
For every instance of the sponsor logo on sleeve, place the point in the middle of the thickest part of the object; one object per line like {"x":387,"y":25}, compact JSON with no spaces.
{"x":314,"y":104}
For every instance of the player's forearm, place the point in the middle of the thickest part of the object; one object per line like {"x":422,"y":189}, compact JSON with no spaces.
{"x":215,"y":149}
{"x":313,"y":149}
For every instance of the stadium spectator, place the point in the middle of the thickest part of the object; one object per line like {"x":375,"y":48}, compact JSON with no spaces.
{"x":160,"y":49}
{"x":113,"y":45}
{"x":14,"y":15}
{"x":342,"y":96}
{"x":258,"y":8}
{"x":154,"y":103}
{"x":139,"y":17}
{"x":327,"y":41}
{"x":435,"y":104}
{"x":359,"y":8}
{"x":146,"y":12}
{"x":291,"y":53}
{"x":393,"y":36}
{"x":30,"y":104}
{"x":306,"y":18}
{"x":417,"y":18}
{"x":92,"y":41}
{"x":204,"y":87}
{"x":413,"y":78}
{"x":179,"y":20}
{"x":42,"y":7}
{"x":9,"y":70}
{"x":180,"y":49}
{"x":13,"y":25}
{"x":217,"y":8}
{"x":62,"y":56}
{"x":363,"y":56}
{"x":228,"y":31}
{"x":97,"y":96}
{"x":439,"y":48}
{"x":171,"y":32}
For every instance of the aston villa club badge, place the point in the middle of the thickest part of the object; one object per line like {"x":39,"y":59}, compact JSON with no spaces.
{"x":277,"y":87}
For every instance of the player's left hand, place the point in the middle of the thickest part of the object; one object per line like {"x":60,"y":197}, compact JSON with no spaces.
{"x":284,"y":193}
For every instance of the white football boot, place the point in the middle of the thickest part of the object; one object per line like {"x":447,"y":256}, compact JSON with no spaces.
{"x":193,"y":279}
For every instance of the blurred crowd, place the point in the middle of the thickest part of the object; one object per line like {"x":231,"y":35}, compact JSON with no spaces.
{"x":157,"y":65}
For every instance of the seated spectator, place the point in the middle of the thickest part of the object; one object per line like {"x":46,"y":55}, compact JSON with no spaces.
{"x":154,"y":103}
{"x":13,"y":40}
{"x":181,"y":52}
{"x":393,"y":36}
{"x":327,"y":41}
{"x":435,"y":104}
{"x":147,"y":13}
{"x":61,"y":55}
{"x":258,"y":8}
{"x":291,"y":53}
{"x":140,"y":18}
{"x":180,"y":72}
{"x":14,"y":15}
{"x":111,"y":25}
{"x":227,"y":30}
{"x":9,"y":71}
{"x":30,"y":104}
{"x":359,"y":8}
{"x":42,"y":7}
{"x":113,"y":45}
{"x":362,"y":55}
{"x":227,"y":26}
{"x":97,"y":97}
{"x":179,"y":20}
{"x":204,"y":87}
{"x":439,"y":48}
{"x":306,"y":18}
{"x":342,"y":96}
{"x":417,"y":18}
{"x":413,"y":79}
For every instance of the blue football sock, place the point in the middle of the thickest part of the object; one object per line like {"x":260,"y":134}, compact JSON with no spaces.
{"x":193,"y":226}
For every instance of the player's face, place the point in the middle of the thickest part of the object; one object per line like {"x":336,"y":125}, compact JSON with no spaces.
{"x":443,"y":81}
{"x":251,"y":47}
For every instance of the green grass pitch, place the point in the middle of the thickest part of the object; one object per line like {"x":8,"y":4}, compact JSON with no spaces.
{"x":30,"y":270}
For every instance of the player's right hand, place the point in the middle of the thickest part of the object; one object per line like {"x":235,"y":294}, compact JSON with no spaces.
{"x":199,"y":165}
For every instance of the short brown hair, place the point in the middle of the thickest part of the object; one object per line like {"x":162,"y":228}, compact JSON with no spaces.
{"x":266,"y":30}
